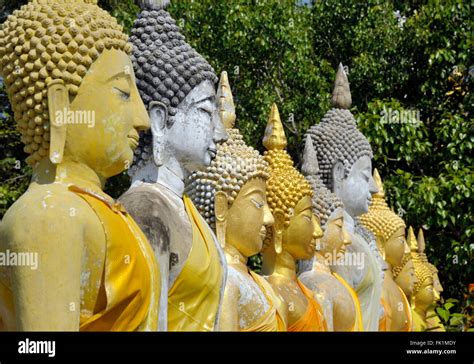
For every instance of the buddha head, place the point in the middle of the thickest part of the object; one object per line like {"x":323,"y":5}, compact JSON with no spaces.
{"x":71,"y":84}
{"x":289,"y":194}
{"x":437,"y":287}
{"x":231,"y":193}
{"x":177,"y":86}
{"x":387,"y":226}
{"x":326,"y":205}
{"x":343,"y":153}
{"x":404,"y":274}
{"x":423,"y":293}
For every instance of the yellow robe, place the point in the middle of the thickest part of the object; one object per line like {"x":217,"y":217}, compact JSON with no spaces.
{"x":385,"y":321}
{"x":313,"y":318}
{"x":272,"y":319}
{"x":129,"y":295}
{"x":419,"y":324}
{"x":358,"y":325}
{"x":407,"y":309}
{"x":194,"y":299}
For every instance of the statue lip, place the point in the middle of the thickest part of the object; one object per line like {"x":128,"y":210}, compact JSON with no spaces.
{"x":134,"y":139}
{"x":212,"y":152}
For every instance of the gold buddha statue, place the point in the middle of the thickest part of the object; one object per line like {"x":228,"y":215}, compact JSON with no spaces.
{"x":63,"y":61}
{"x":231,"y":195}
{"x":389,"y":231}
{"x":339,"y":301}
{"x":423,"y":296}
{"x":432,"y":320}
{"x":294,"y":232}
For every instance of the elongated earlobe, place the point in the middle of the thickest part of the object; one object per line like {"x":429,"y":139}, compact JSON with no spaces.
{"x":221,"y":207}
{"x":58,"y":107}
{"x":278,"y":227}
{"x":338,"y":174}
{"x":158,"y":113}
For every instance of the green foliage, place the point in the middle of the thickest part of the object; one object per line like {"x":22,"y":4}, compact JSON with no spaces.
{"x":401,"y":56}
{"x":456,"y":321}
{"x":267,"y":52}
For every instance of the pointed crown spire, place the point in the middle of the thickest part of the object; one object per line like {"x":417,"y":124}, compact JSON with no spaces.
{"x":379,"y":184}
{"x":341,"y":96}
{"x":275,"y":138}
{"x":226,"y":102}
{"x":154,"y":4}
{"x":310,"y":165}
{"x":421,"y":241}
{"x":411,"y":240}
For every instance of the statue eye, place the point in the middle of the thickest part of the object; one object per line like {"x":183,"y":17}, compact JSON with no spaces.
{"x":205,"y":110}
{"x":257,"y":203}
{"x":123,"y":94}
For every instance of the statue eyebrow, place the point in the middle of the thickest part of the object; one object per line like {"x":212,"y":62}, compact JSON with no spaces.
{"x":209,"y":98}
{"x":253,"y":192}
{"x":118,"y":74}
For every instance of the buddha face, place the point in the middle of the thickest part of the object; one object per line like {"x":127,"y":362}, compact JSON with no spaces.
{"x":248,"y":218}
{"x":299,"y":238}
{"x":357,"y":188}
{"x":406,"y":279}
{"x":395,"y":247}
{"x":437,"y":287}
{"x":191,"y":134}
{"x":109,"y":99}
{"x":336,"y":238}
{"x":425,"y":296}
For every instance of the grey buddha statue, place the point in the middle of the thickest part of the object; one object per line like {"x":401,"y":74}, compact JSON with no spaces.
{"x":339,"y":301}
{"x":177,"y":86}
{"x":345,"y":167}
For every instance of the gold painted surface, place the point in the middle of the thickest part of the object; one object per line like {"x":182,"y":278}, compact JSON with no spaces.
{"x":194,"y":298}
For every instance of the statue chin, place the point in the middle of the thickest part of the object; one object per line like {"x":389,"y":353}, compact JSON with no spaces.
{"x":355,"y":203}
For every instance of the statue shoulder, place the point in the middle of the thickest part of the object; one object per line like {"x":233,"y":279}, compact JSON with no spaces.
{"x":233,"y":283}
{"x":46,"y":212}
{"x":154,"y":212}
{"x":147,"y":200}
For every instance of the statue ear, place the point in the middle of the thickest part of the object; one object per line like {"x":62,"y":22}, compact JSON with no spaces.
{"x":221,"y":207}
{"x":278,"y":228}
{"x":58,"y":106}
{"x":338,"y":175}
{"x":158,"y":113}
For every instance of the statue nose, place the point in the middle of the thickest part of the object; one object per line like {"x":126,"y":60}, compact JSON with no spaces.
{"x":372,"y":186}
{"x":220,"y":134}
{"x":141,"y":120}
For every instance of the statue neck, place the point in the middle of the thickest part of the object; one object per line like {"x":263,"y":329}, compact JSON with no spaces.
{"x":421,"y":311}
{"x":388,"y":271}
{"x":320,"y":263}
{"x":68,"y":172}
{"x":234,"y":256}
{"x":285,"y":265}
{"x":171,"y":175}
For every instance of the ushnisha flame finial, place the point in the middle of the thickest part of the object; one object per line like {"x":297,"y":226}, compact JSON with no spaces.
{"x":226,"y":102}
{"x":341,"y":96}
{"x":275,"y":138}
{"x":154,"y":4}
{"x":310,"y":165}
{"x":411,"y":240}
